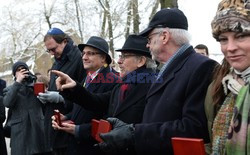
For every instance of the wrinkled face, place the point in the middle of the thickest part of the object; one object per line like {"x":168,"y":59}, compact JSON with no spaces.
{"x":128,"y":62}
{"x":54,"y":48}
{"x":153,"y":44}
{"x":92,"y":59}
{"x":236,"y":49}
{"x":201,"y":51}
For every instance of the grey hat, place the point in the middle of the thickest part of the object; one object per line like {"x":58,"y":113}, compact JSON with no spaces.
{"x":98,"y":43}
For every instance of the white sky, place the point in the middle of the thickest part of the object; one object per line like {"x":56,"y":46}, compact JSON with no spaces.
{"x":200,"y":14}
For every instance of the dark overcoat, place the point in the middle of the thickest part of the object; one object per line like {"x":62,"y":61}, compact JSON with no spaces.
{"x":175,"y":105}
{"x":130,"y":110}
{"x":73,"y":66}
{"x":84,"y":143}
{"x":27,"y":120}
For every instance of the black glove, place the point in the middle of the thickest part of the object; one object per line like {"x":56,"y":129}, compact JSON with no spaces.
{"x":120,"y":137}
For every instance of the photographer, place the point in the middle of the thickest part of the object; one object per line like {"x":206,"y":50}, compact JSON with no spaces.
{"x":27,"y":120}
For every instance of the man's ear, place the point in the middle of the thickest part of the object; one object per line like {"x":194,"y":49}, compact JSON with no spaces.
{"x":141,"y":61}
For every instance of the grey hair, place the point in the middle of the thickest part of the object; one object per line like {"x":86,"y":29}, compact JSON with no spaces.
{"x":179,"y":36}
{"x":150,"y":63}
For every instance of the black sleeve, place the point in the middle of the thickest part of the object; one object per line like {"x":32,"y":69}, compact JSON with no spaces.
{"x":88,"y":100}
{"x":2,"y":110}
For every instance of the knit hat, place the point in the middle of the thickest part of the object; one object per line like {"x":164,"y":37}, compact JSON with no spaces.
{"x":172,"y":18}
{"x":17,"y":65}
{"x":231,"y":16}
{"x":55,"y":31}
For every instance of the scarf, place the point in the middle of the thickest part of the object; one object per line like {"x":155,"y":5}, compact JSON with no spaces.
{"x":231,"y":135}
{"x":245,"y":75}
{"x":238,"y":142}
{"x":221,"y":125}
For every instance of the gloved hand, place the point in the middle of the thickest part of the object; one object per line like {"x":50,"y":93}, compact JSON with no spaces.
{"x":120,"y":137}
{"x":50,"y":96}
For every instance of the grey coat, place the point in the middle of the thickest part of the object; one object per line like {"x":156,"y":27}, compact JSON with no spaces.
{"x":27,"y":120}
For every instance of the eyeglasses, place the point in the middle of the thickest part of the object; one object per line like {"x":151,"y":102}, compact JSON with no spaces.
{"x":123,"y":57}
{"x":90,"y":53}
{"x":150,"y":36}
{"x":52,"y":49}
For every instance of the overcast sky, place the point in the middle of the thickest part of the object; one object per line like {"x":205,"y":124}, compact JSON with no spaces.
{"x":199,"y":13}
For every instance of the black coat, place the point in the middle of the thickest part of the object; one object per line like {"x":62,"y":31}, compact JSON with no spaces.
{"x":129,"y":111}
{"x":84,"y":143}
{"x":175,"y":106}
{"x":3,"y":149}
{"x":73,"y":66}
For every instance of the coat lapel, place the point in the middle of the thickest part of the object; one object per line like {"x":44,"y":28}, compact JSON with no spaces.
{"x":133,"y":96}
{"x":170,"y":72}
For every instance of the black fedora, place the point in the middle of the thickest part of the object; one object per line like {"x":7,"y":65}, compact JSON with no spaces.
{"x":98,"y":43}
{"x":136,"y":44}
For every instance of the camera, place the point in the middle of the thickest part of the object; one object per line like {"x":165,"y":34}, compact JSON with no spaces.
{"x":30,"y":79}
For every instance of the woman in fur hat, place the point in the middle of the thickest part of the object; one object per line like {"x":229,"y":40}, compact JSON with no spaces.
{"x":228,"y":97}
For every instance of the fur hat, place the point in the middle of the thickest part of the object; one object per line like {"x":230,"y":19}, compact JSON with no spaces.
{"x":231,"y":15}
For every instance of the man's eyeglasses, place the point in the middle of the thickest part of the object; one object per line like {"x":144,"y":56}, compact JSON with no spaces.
{"x":123,"y":57}
{"x":52,"y":49}
{"x":90,"y":53}
{"x":150,"y":36}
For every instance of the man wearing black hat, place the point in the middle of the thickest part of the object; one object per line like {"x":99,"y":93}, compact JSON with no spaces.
{"x":96,"y":61}
{"x":127,"y":100}
{"x":27,"y":119}
{"x":68,"y":60}
{"x":175,"y":106}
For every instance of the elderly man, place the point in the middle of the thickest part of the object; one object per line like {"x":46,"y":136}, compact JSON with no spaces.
{"x":127,"y":100}
{"x":96,"y":61}
{"x":175,"y":106}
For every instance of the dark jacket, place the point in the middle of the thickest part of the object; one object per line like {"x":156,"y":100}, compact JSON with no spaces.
{"x":130,"y":110}
{"x":27,"y":120}
{"x":71,"y":64}
{"x":84,"y":143}
{"x":175,"y":106}
{"x":3,"y":149}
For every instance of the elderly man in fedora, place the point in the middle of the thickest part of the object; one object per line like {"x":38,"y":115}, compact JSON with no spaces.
{"x":96,"y":61}
{"x":127,"y":100}
{"x":175,"y":106}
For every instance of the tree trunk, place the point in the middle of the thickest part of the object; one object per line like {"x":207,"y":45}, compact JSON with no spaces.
{"x":128,"y":23}
{"x":154,"y":9}
{"x":136,"y":17}
{"x":169,"y":3}
{"x":110,"y":27}
{"x":78,"y":19}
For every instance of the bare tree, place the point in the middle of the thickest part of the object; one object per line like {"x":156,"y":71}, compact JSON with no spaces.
{"x":169,"y":3}
{"x":154,"y":9}
{"x":128,"y":23}
{"x":106,"y":8}
{"x":78,"y":19}
{"x":136,"y":18}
